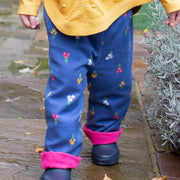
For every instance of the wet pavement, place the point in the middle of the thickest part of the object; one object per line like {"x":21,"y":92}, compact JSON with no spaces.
{"x":23,"y":76}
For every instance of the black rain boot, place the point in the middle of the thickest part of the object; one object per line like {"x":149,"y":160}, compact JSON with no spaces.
{"x":105,"y":154}
{"x":56,"y":174}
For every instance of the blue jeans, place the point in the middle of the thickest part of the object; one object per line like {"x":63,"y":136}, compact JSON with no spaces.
{"x":102,"y":61}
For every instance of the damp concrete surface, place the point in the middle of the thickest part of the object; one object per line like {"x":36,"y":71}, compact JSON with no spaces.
{"x":23,"y":76}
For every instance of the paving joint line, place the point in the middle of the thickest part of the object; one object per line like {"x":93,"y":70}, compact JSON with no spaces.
{"x":147,"y":130}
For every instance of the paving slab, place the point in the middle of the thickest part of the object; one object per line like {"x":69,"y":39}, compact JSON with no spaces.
{"x":140,"y":53}
{"x":169,"y":165}
{"x":20,"y":101}
{"x":18,"y":159}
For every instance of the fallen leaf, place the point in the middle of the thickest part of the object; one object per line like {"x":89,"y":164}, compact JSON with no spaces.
{"x":38,"y":150}
{"x":26,"y":70}
{"x":161,"y":178}
{"x":43,"y":109}
{"x":27,"y":133}
{"x":11,"y":100}
{"x":34,"y":69}
{"x":35,"y":72}
{"x":42,"y":48}
{"x":18,"y":62}
{"x":106,"y":177}
{"x":29,"y":70}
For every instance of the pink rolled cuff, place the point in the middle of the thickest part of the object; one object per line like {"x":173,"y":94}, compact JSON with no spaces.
{"x":102,"y":137}
{"x":59,"y":160}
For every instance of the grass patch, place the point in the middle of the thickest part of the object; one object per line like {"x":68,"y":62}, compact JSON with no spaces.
{"x":141,"y":19}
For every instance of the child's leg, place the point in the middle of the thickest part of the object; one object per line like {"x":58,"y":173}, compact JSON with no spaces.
{"x":64,"y":99}
{"x":70,"y":59}
{"x":110,"y":82}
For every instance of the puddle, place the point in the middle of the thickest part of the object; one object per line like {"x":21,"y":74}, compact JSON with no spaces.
{"x":40,"y":68}
{"x":43,"y":70}
{"x":44,"y":64}
{"x":14,"y":68}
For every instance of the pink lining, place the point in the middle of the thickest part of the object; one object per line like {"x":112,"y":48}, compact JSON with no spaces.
{"x":102,"y":137}
{"x":59,"y":160}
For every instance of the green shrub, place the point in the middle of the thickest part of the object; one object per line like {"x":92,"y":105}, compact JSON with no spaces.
{"x":163,"y":45}
{"x":141,"y":19}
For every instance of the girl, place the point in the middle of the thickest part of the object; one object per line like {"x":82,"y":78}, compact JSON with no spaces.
{"x":90,"y":42}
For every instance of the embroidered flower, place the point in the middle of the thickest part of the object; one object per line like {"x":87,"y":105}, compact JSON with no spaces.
{"x":105,"y":101}
{"x":70,"y":98}
{"x":53,"y":32}
{"x":119,"y":70}
{"x":66,"y":55}
{"x":94,"y":74}
{"x":51,"y":74}
{"x":55,"y":117}
{"x":122,"y":84}
{"x":72,"y":140}
{"x":79,"y":80}
{"x":90,"y":61}
{"x":110,"y":56}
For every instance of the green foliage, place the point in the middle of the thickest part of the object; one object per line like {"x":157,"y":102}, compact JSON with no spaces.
{"x":163,"y":45}
{"x":141,"y":19}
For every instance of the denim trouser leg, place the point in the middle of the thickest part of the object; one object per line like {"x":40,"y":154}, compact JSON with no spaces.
{"x":104,"y":60}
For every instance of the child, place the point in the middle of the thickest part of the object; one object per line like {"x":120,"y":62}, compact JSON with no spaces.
{"x":90,"y":42}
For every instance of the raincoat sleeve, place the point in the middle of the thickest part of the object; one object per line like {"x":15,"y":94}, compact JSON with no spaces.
{"x":171,"y":5}
{"x":29,"y":7}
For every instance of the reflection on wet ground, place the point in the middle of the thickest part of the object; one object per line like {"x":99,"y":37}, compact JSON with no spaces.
{"x":40,"y":68}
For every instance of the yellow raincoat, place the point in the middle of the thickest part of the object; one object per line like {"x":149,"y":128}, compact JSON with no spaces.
{"x":86,"y":17}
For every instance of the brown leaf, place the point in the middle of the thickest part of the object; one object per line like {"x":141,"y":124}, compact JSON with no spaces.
{"x":106,"y":177}
{"x":161,"y":178}
{"x":42,"y":109}
{"x":38,"y":150}
{"x":35,"y":72}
